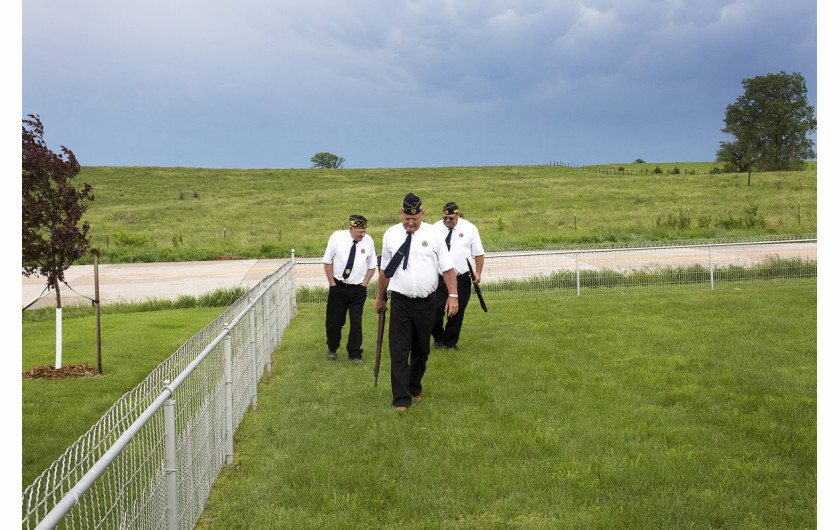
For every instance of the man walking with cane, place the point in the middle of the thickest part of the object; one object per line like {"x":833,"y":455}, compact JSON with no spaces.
{"x":416,"y":258}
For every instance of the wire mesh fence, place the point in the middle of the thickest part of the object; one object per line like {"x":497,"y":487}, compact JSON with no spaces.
{"x":654,"y":266}
{"x":118,"y":474}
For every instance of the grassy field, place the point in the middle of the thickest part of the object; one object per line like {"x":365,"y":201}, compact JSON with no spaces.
{"x":143,"y":214}
{"x":647,"y":410}
{"x":134,"y":341}
{"x":635,"y":410}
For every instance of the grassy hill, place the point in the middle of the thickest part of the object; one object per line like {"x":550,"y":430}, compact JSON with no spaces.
{"x":143,"y":214}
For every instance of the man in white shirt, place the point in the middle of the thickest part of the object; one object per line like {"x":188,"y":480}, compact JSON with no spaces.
{"x":349,"y":263}
{"x":464,"y":244}
{"x":416,"y":258}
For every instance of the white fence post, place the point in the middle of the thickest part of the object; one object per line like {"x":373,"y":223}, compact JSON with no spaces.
{"x":228,"y":400}
{"x":267,"y":331}
{"x":577,"y":272}
{"x":171,"y":466}
{"x":711,"y":268}
{"x":252,"y":341}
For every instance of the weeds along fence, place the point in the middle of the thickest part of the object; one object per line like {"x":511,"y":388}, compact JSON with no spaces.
{"x":678,"y":266}
{"x":143,"y":467}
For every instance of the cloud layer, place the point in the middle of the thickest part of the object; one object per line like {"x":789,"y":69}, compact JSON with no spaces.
{"x":395,"y":83}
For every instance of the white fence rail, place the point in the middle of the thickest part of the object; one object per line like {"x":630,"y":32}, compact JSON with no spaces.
{"x":140,"y":467}
{"x":515,"y":275}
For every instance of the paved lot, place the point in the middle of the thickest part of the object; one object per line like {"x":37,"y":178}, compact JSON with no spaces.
{"x":140,"y":281}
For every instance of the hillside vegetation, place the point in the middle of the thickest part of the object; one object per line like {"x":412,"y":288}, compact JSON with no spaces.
{"x":145,"y":214}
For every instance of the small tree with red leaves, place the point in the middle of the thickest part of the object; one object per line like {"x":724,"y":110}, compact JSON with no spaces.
{"x":52,"y":209}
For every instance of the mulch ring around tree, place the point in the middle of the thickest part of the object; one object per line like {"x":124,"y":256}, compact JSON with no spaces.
{"x":71,"y":370}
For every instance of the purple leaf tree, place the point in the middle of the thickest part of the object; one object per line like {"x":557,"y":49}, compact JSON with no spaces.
{"x":52,"y":210}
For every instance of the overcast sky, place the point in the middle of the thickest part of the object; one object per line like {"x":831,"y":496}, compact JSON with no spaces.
{"x":400,"y":83}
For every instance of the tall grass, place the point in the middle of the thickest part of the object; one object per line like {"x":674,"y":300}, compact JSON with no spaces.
{"x":221,"y":297}
{"x":656,"y":410}
{"x":143,"y":214}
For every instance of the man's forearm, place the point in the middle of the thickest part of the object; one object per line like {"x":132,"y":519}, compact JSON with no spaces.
{"x":479,"y":264}
{"x":369,"y":276}
{"x":382,"y":285}
{"x":450,"y":281}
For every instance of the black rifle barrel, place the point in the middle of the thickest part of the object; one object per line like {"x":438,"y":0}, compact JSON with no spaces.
{"x":477,"y":288}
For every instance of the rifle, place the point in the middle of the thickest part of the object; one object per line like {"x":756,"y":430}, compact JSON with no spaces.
{"x":477,"y":288}
{"x":380,"y":331}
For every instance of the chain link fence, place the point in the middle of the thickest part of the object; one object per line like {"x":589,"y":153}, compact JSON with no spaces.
{"x":143,"y":467}
{"x":652,"y":266}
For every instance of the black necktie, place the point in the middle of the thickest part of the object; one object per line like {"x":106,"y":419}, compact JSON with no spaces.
{"x":401,"y":255}
{"x":350,"y":260}
{"x":448,"y":239}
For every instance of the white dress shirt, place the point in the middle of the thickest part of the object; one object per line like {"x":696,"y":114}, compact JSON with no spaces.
{"x":427,"y":258}
{"x":465,"y":243}
{"x":338,"y":250}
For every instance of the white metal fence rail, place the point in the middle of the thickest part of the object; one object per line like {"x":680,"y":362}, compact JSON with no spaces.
{"x":139,"y":467}
{"x":523,"y":274}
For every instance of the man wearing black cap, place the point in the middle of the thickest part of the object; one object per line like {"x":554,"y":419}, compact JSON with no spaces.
{"x":464,"y":243}
{"x":349,"y":263}
{"x":416,"y":257}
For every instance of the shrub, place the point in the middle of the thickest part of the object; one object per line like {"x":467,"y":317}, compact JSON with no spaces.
{"x":130,"y":239}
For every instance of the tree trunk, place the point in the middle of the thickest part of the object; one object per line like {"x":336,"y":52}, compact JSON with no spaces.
{"x":57,"y":326}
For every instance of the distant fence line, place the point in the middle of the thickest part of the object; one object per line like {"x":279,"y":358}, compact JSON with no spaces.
{"x":652,"y":266}
{"x":625,"y":170}
{"x":140,"y":468}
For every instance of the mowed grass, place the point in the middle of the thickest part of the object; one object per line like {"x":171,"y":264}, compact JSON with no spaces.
{"x":642,"y":410}
{"x":143,"y":214}
{"x":56,"y":412}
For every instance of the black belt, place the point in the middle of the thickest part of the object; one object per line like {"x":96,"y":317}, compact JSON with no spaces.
{"x":413,"y":299}
{"x":339,"y":282}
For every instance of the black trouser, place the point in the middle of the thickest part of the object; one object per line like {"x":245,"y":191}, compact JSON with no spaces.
{"x":448,"y":336}
{"x":408,"y":339}
{"x":343,"y":299}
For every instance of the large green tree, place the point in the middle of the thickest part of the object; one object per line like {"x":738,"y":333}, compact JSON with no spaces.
{"x":770,"y":124}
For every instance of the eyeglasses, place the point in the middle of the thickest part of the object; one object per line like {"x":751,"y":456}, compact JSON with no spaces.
{"x":449,"y":217}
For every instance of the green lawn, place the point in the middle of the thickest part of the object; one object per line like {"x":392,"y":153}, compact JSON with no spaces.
{"x":183,"y":214}
{"x":56,"y":412}
{"x":640,"y":410}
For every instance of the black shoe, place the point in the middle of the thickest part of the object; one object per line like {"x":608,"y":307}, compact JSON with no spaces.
{"x":331,"y":355}
{"x":436,"y":344}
